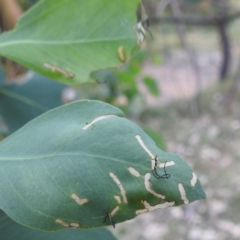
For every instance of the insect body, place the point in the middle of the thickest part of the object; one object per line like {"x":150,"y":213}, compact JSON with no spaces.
{"x":110,"y":219}
{"x":154,"y":171}
{"x":122,"y":54}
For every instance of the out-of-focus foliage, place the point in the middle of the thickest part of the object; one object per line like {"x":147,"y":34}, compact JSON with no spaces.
{"x":20,"y":103}
{"x":151,"y":85}
{"x":156,"y":137}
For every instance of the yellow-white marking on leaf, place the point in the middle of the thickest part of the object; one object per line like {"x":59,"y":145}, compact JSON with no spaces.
{"x":194,"y":179}
{"x":66,"y":225}
{"x":118,"y":199}
{"x":134,"y":172}
{"x":113,"y":212}
{"x":141,"y":211}
{"x":183,"y":193}
{"x":167,"y":164}
{"x":149,"y":208}
{"x":144,"y":146}
{"x":75,"y":225}
{"x":153,"y":163}
{"x":122,"y":190}
{"x":79,"y":200}
{"x":96,"y":120}
{"x":59,"y":70}
{"x":149,"y":186}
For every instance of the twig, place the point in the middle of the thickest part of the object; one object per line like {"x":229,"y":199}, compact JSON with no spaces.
{"x":182,"y":35}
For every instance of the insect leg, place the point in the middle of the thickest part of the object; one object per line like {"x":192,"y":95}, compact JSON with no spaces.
{"x":110,"y":219}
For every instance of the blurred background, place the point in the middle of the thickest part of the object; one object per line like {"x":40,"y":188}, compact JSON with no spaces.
{"x":182,"y":88}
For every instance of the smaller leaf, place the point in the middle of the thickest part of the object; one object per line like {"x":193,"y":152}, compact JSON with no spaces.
{"x":151,"y":85}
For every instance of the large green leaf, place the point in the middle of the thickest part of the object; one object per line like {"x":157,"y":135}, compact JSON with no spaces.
{"x":20,"y":103}
{"x":68,"y":39}
{"x":10,"y":230}
{"x":73,"y":165}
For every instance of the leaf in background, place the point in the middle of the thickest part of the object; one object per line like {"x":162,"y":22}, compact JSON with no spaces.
{"x":2,"y":75}
{"x":10,"y":230}
{"x":68,"y":39}
{"x":21,"y":103}
{"x":73,"y":165}
{"x":151,"y":85}
{"x":25,"y":4}
{"x":156,"y":137}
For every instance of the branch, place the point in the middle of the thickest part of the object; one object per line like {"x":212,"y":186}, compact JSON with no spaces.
{"x":221,"y":19}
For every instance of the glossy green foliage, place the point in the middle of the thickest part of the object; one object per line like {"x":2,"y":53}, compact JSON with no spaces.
{"x":74,"y":164}
{"x":66,"y":40}
{"x":20,"y":103}
{"x":10,"y":230}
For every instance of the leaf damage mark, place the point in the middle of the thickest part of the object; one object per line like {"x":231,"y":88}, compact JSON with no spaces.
{"x":68,"y":225}
{"x":122,"y":190}
{"x":118,"y":199}
{"x":79,"y":201}
{"x":148,"y":186}
{"x":149,"y":208}
{"x":167,"y":164}
{"x":96,"y":120}
{"x":183,"y":193}
{"x":140,"y":141}
{"x":59,"y":70}
{"x":194,"y":179}
{"x":113,"y":212}
{"x":134,"y":172}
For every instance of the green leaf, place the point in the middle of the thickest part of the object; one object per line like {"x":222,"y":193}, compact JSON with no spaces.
{"x":151,"y":85}
{"x":68,"y":39}
{"x":20,"y":103}
{"x":156,"y":137}
{"x":74,"y":164}
{"x":10,"y":230}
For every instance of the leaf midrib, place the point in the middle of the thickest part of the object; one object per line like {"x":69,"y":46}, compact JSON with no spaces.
{"x":86,"y":41}
{"x":61,"y":155}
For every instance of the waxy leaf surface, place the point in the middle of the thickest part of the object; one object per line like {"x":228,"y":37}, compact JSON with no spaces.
{"x":74,"y":164}
{"x":68,"y":39}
